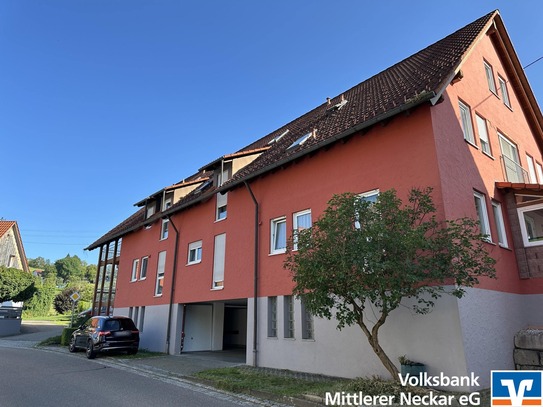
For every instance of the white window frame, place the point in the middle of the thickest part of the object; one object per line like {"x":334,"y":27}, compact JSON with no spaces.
{"x":160,"y":271}
{"x":297,"y":228}
{"x":539,"y":170}
{"x":167,"y":204}
{"x":504,"y":92}
{"x":531,"y":169}
{"x":466,"y":122}
{"x":489,"y":72}
{"x":515,"y":174}
{"x":196,"y":248}
{"x":273,"y":235}
{"x":222,"y":206}
{"x":164,"y":230}
{"x":143,"y":268}
{"x":500,"y":224}
{"x":482,"y":129}
{"x":482,"y":215}
{"x":369,"y":196}
{"x":135,"y":270}
{"x":523,"y":220}
{"x":219,"y":257}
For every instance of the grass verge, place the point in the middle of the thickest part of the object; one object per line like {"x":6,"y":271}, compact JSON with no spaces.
{"x":285,"y":384}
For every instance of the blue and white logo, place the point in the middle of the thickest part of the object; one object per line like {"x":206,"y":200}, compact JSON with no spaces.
{"x":516,"y":388}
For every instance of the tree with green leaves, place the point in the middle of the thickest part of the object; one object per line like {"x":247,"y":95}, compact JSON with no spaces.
{"x":360,"y":253}
{"x":70,"y":268}
{"x":15,"y":285}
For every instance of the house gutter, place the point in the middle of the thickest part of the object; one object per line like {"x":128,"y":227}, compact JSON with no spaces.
{"x":255,"y":278}
{"x":172,"y":291}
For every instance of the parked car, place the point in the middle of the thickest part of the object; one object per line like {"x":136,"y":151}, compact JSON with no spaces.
{"x":105,"y":334}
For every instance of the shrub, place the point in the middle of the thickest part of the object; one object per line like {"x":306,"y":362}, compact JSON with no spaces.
{"x":62,"y":302}
{"x":66,"y":335}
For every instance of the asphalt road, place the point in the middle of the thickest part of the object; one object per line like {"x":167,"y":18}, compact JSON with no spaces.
{"x":35,"y":377}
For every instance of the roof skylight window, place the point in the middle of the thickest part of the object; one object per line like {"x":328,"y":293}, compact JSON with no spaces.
{"x":339,"y":105}
{"x":301,"y":140}
{"x":277,"y":138}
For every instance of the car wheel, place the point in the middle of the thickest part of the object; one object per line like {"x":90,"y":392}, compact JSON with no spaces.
{"x":91,"y":353}
{"x":71,"y":346}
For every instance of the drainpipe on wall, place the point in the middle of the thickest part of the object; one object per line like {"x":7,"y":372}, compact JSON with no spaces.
{"x":255,"y":279}
{"x":172,"y":291}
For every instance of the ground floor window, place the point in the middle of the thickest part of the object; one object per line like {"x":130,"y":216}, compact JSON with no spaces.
{"x":288,"y":315}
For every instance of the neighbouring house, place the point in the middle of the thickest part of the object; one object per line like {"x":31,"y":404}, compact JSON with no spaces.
{"x":201,"y":265}
{"x":12,"y":253}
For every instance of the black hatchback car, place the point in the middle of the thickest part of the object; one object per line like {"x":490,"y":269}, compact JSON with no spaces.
{"x":104,"y":334}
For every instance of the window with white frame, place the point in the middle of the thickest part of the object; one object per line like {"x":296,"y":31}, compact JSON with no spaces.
{"x":164,"y":229}
{"x":167,"y":204}
{"x":288,"y":316}
{"x":482,"y":129}
{"x":490,"y":77}
{"x":371,"y":197}
{"x":307,"y":323}
{"x":222,"y":201}
{"x":531,"y":224}
{"x":272,"y":317}
{"x":500,"y":225}
{"x":135,"y":266}
{"x":504,"y":92}
{"x":539,"y":170}
{"x":219,"y":255}
{"x":511,"y":161}
{"x":467,"y":125}
{"x":531,"y":169}
{"x":143,"y":270}
{"x":482,"y":215}
{"x":159,"y":287}
{"x":195,"y":252}
{"x":278,"y":235}
{"x":300,"y":220}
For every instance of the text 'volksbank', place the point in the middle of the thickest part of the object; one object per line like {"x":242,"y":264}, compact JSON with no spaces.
{"x":408,"y":398}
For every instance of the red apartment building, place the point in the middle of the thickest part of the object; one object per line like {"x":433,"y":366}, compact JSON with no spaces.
{"x":201,"y":265}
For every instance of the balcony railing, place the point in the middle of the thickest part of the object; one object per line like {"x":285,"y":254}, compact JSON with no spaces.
{"x":513,"y":172}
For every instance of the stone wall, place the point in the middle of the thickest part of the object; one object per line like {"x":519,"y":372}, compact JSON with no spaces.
{"x":528,"y":354}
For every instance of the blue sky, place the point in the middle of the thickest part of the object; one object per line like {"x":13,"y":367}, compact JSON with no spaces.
{"x":104,"y":102}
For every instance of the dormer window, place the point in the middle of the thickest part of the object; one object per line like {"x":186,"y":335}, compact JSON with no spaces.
{"x":167,"y":204}
{"x":301,"y":140}
{"x":150,"y":210}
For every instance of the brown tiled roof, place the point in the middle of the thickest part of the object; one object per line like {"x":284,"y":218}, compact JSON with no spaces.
{"x":415,"y":80}
{"x":418,"y":79}
{"x":121,"y":229}
{"x":5,"y":225}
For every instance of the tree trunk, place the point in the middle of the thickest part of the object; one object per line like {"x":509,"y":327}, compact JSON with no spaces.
{"x":373,"y":340}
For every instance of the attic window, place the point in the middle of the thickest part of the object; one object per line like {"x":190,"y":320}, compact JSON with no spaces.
{"x":301,"y":140}
{"x":337,"y":106}
{"x":277,"y":138}
{"x":203,"y":186}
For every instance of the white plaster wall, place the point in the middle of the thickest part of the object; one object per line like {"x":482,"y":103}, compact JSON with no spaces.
{"x":490,"y":320}
{"x":434,"y":339}
{"x":155,"y":325}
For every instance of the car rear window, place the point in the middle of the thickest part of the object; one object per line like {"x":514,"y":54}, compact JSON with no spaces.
{"x":128,"y":324}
